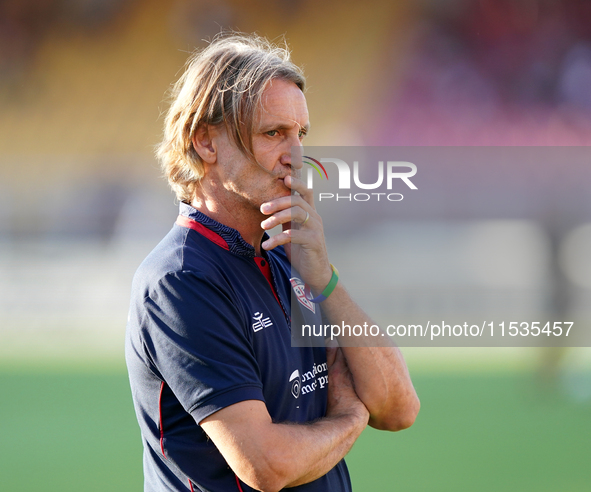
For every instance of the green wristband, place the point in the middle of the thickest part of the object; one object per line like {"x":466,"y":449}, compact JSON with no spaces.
{"x":329,"y":288}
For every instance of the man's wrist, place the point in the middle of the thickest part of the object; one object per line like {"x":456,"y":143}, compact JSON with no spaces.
{"x":357,"y":414}
{"x":319,"y":287}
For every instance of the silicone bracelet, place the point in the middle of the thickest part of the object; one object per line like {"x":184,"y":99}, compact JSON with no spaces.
{"x":329,"y":288}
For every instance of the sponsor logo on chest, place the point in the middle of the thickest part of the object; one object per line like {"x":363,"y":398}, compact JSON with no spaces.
{"x":308,"y":381}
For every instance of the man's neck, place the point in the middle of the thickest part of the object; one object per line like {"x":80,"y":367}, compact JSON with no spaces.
{"x":233,"y":213}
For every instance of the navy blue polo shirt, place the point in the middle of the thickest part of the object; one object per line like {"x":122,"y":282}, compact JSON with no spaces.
{"x":209,"y":326}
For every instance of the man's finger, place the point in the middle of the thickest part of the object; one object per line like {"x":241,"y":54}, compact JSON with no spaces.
{"x":331,"y":353}
{"x":278,"y":239}
{"x":296,"y":214}
{"x":283,"y":203}
{"x":298,"y":185}
{"x":294,"y":236}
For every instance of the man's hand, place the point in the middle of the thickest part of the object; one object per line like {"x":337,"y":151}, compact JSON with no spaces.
{"x":303,"y":233}
{"x":342,"y":398}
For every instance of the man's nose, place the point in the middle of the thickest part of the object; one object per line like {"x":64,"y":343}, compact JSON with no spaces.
{"x":293,"y":153}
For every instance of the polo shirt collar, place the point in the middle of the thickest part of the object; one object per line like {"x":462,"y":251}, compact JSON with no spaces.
{"x":236,"y":244}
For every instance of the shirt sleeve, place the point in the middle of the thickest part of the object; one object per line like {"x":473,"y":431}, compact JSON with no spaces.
{"x":194,"y":334}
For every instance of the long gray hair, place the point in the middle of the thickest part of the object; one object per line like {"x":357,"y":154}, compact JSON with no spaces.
{"x":223,"y":83}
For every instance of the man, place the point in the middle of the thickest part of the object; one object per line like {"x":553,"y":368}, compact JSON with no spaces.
{"x":215,"y":380}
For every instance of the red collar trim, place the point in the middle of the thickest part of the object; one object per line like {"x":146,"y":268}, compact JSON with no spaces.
{"x":201,"y":229}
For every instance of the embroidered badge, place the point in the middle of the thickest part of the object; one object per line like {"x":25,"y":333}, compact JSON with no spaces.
{"x":299,"y":288}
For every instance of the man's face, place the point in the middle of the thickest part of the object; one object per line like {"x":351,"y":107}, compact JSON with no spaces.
{"x":280,"y":123}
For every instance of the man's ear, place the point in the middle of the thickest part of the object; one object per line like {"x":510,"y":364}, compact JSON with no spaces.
{"x":204,"y":145}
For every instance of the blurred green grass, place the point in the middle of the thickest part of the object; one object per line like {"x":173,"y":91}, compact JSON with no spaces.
{"x":73,"y":429}
{"x":481,"y":432}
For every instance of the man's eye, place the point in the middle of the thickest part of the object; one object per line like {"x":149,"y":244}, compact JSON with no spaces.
{"x":272,"y":133}
{"x":302,"y":133}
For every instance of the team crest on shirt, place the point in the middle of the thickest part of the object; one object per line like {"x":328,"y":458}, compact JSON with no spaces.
{"x":299,"y":288}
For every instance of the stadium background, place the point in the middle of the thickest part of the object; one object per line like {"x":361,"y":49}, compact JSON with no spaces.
{"x":82,"y":86}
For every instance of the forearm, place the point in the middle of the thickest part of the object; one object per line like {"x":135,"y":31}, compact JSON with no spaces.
{"x":326,"y":442}
{"x":269,"y":456}
{"x":379,"y":372}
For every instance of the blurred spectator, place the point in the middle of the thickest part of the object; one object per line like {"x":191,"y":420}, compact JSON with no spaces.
{"x":25,"y":23}
{"x":575,"y":78}
{"x":496,"y":72}
{"x":22,"y":24}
